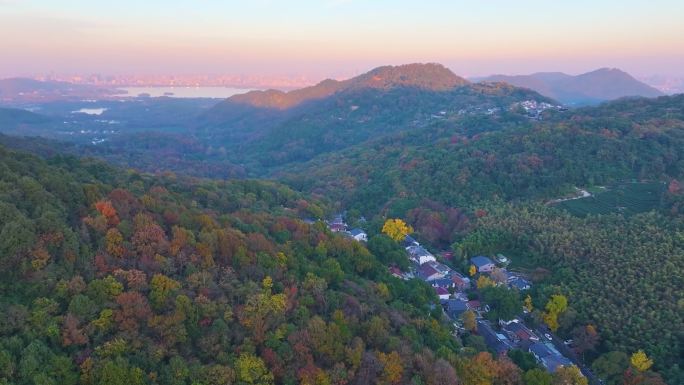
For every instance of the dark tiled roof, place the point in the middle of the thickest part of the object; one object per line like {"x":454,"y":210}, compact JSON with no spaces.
{"x":480,"y":261}
{"x":441,"y":291}
{"x":426,"y":271}
{"x":455,"y":307}
{"x":409,"y":241}
{"x":356,"y":232}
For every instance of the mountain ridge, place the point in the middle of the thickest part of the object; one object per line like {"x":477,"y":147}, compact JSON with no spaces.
{"x":587,"y":88}
{"x":430,"y":76}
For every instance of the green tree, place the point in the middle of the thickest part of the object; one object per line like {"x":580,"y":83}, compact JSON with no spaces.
{"x":611,"y":366}
{"x":523,"y":360}
{"x":537,"y":377}
{"x":505,"y":304}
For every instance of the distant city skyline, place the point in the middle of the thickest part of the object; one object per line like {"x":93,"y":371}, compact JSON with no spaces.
{"x":316,"y":39}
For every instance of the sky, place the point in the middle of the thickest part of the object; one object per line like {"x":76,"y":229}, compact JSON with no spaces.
{"x":338,"y":38}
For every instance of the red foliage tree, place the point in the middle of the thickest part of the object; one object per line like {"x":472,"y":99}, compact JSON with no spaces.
{"x":133,"y":310}
{"x":108,"y":211}
{"x":125,"y":203}
{"x":71,"y":333}
{"x":149,"y":238}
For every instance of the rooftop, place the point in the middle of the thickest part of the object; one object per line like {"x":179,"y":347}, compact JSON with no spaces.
{"x":480,"y":261}
{"x":357,"y":231}
{"x":417,"y":251}
{"x":441,"y":291}
{"x":454,"y":307}
{"x":426,"y":271}
{"x":409,"y":241}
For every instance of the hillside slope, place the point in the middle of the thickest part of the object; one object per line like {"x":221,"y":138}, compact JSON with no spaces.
{"x":113,"y":277}
{"x":484,"y":193}
{"x":434,"y":77}
{"x":267,"y":129}
{"x":458,"y":166}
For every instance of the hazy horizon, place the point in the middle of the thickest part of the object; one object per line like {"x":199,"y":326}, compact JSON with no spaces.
{"x":338,"y":38}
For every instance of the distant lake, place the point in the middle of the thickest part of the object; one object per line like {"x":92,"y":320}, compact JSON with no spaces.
{"x":184,"y":92}
{"x":90,"y":111}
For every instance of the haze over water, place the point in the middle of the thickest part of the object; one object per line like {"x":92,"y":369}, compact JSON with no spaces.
{"x":184,"y":92}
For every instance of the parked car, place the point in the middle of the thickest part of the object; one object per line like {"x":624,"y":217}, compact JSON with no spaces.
{"x":548,"y":336}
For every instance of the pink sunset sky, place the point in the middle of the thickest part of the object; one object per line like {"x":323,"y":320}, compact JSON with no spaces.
{"x":338,"y":38}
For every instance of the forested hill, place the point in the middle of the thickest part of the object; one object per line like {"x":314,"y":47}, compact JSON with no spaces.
{"x":12,"y":118}
{"x":250,"y":135}
{"x":112,"y":277}
{"x":457,"y":164}
{"x":259,"y":133}
{"x":434,"y":77}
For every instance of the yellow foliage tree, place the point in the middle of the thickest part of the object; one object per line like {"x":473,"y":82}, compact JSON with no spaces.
{"x":556,"y":305}
{"x":551,"y":320}
{"x":383,"y":291}
{"x":251,"y":369}
{"x":392,"y":368}
{"x":469,"y":320}
{"x":162,"y":287}
{"x":41,"y":258}
{"x":484,"y":281}
{"x":114,"y":243}
{"x":569,"y":375}
{"x":472,"y":270}
{"x":267,"y":283}
{"x":528,"y":304}
{"x":262,"y":308}
{"x":104,"y":322}
{"x":640,"y":361}
{"x":396,"y":229}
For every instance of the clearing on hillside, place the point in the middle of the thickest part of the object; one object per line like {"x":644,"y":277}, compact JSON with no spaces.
{"x":628,"y":198}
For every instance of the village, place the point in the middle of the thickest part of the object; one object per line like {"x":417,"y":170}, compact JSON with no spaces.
{"x":457,"y":294}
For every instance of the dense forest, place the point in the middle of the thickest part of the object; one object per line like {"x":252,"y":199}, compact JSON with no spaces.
{"x":484,"y":192}
{"x":113,"y":277}
{"x":253,"y":135}
{"x":357,"y":116}
{"x":490,"y":158}
{"x":621,"y":275}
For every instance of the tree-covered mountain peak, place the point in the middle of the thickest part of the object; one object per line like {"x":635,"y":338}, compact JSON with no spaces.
{"x":430,"y":76}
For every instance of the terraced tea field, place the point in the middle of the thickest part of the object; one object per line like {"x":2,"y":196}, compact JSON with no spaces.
{"x":628,"y":198}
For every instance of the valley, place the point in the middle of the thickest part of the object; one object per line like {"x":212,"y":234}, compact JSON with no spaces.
{"x":168,"y":235}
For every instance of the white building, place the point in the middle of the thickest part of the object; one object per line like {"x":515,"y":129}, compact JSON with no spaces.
{"x":419,"y":255}
{"x":359,"y":235}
